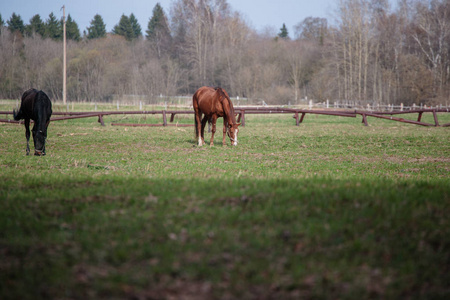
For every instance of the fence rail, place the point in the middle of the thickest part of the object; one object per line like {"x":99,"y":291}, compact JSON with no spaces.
{"x":298,"y":115}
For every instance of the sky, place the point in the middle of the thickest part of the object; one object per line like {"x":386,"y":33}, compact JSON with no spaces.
{"x":259,"y":14}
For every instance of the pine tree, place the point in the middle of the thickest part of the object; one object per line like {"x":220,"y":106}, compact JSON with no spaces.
{"x":72,"y":31}
{"x":36,"y":26}
{"x":15,"y":23}
{"x":124,"y":28}
{"x":2,"y":22}
{"x":158,"y":32}
{"x":53,"y":28}
{"x":158,"y":23}
{"x":284,"y":34}
{"x":135,"y":27}
{"x":97,"y":28}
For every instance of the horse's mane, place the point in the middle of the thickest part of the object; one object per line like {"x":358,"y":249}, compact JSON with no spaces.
{"x":223,"y":95}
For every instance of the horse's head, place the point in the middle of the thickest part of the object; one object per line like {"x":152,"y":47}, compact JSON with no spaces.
{"x":39,"y":142}
{"x":232,"y":132}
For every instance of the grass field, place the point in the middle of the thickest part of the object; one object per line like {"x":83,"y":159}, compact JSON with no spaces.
{"x":328,"y":210}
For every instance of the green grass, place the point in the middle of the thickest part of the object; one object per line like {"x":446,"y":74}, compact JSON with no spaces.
{"x":330,"y":209}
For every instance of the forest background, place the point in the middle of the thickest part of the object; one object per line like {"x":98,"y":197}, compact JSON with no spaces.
{"x":370,"y":53}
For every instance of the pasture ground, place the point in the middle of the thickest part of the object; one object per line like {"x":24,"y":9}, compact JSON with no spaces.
{"x":327,"y":210}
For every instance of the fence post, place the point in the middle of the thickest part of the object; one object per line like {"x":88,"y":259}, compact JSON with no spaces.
{"x":436,"y":122}
{"x":100,"y":120}
{"x":364,"y":120}
{"x":242,"y":118}
{"x":301,"y":118}
{"x":164,"y":118}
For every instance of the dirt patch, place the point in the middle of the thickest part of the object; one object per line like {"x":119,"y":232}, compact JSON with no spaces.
{"x":429,"y":159}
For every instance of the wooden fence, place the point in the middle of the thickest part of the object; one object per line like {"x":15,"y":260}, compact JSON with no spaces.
{"x":298,"y":115}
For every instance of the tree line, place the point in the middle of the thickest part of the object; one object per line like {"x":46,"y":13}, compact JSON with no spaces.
{"x":370,"y":53}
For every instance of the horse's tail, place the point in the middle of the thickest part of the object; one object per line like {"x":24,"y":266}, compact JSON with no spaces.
{"x":19,"y":115}
{"x":196,"y":127}
{"x":195,"y":104}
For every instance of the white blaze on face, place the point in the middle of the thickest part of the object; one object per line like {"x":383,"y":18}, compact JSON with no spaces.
{"x":235,"y":137}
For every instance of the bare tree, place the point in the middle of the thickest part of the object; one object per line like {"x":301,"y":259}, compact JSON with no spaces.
{"x":198,"y":21}
{"x":233,"y":54}
{"x":431,"y":32}
{"x":370,"y":53}
{"x":313,"y":29}
{"x":38,"y":53}
{"x":353,"y":43}
{"x":300,"y":57}
{"x":11,"y":61}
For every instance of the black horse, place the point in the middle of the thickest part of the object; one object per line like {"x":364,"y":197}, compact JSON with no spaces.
{"x":35,"y":106}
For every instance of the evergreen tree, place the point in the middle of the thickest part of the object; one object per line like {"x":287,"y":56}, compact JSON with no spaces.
{"x":158,"y":32}
{"x":135,"y":26}
{"x":72,"y":31}
{"x":124,"y":28}
{"x":2,"y":22}
{"x":97,"y":28}
{"x":53,"y":28}
{"x":284,"y":34}
{"x":15,"y":23}
{"x":36,"y":26}
{"x":158,"y":25}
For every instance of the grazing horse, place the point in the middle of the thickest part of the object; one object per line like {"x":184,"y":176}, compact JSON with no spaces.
{"x":36,"y":106}
{"x":214,"y":103}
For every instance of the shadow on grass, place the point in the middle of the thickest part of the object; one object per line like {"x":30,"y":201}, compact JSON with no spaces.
{"x":213,"y":239}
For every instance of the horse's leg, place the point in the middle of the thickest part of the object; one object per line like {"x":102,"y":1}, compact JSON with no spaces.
{"x":45,"y":136}
{"x":205,"y":119}
{"x":213,"y":130}
{"x":27,"y":134}
{"x":225,"y":124}
{"x":33,"y":132}
{"x":198,"y":127}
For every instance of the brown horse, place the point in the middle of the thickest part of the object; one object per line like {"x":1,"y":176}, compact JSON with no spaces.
{"x":214,"y":103}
